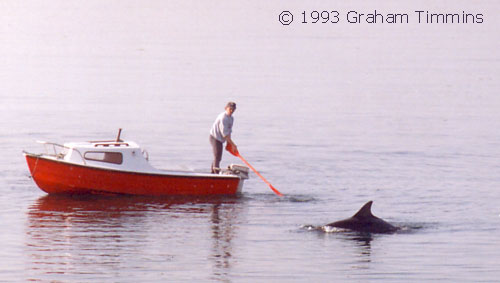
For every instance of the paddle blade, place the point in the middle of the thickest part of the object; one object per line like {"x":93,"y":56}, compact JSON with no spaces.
{"x":275,"y":190}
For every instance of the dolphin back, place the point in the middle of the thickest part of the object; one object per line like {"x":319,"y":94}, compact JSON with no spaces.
{"x":365,"y":221}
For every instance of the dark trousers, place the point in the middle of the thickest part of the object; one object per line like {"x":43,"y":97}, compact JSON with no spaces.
{"x":217,"y":150}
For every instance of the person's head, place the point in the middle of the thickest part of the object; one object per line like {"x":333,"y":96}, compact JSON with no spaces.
{"x":230,"y":107}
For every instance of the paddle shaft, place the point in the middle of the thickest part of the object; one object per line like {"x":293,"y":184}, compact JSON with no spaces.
{"x":258,"y":174}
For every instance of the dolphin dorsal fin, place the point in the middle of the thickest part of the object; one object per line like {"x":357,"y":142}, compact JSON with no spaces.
{"x":365,"y":211}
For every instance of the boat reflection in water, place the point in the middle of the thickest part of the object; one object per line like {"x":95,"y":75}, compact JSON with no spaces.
{"x":112,"y":238}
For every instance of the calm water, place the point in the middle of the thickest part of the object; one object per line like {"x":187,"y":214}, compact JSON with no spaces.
{"x":332,"y":115}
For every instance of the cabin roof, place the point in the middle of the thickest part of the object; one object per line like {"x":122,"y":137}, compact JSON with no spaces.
{"x":103,"y":145}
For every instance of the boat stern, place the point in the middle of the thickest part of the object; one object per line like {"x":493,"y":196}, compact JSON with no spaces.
{"x":240,"y":171}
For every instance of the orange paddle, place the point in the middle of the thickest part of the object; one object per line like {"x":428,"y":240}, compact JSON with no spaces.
{"x":235,"y":152}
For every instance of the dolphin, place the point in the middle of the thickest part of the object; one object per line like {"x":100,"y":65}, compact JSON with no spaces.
{"x":365,"y":221}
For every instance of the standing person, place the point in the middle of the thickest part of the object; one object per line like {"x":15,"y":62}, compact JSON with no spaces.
{"x":220,"y":133}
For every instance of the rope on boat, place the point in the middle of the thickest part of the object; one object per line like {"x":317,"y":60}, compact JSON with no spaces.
{"x":34,"y":168}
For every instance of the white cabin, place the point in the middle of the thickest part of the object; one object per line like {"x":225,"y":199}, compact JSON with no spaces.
{"x":123,"y":155}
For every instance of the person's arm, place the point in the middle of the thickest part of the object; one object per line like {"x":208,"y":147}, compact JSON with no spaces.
{"x":230,"y":141}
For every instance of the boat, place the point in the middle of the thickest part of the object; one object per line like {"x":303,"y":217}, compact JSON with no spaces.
{"x":122,"y":167}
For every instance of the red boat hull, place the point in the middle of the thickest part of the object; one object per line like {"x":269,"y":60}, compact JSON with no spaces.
{"x":59,"y":177}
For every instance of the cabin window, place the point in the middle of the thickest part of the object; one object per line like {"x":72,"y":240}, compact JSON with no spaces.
{"x":102,"y":156}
